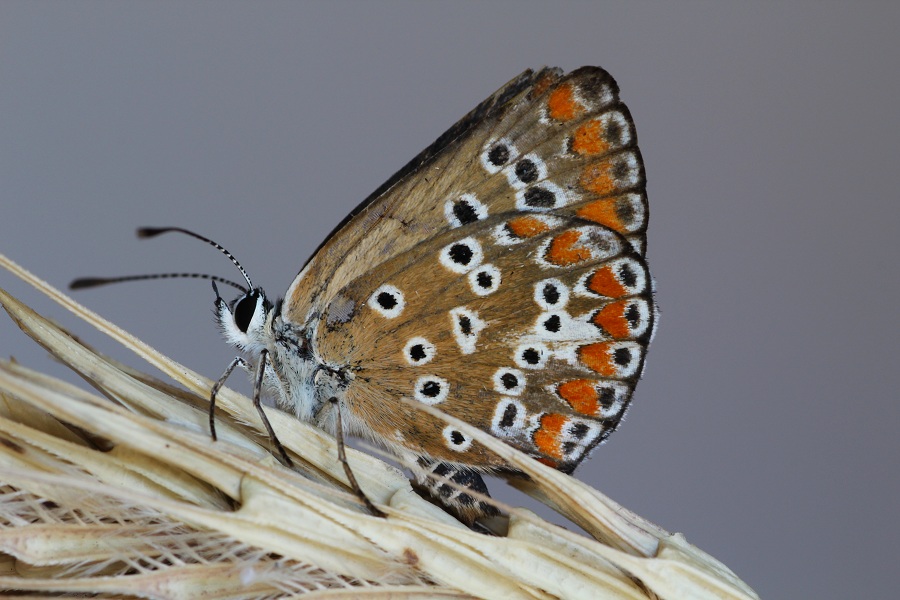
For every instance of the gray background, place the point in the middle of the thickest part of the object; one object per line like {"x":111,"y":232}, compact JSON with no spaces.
{"x":765,"y":428}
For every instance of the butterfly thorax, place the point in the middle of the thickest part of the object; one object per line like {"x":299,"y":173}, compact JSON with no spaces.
{"x":301,"y":380}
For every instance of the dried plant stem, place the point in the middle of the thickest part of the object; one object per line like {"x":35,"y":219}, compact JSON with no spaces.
{"x":124,"y":495}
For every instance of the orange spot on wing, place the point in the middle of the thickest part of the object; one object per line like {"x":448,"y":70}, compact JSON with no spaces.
{"x":581,"y":395}
{"x":605,"y":283}
{"x":597,"y":358}
{"x":602,"y":212}
{"x":526,"y":227}
{"x":597,"y":178}
{"x":589,"y":140}
{"x":612,"y":319}
{"x":563,"y":251}
{"x":547,"y":437}
{"x":562,"y":105}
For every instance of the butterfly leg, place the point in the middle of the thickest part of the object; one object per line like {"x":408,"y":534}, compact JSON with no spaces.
{"x":215,"y":390}
{"x":257,"y":396}
{"x":465,"y":507}
{"x":342,"y":456}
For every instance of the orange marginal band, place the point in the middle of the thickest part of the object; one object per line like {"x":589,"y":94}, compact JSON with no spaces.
{"x":563,"y":251}
{"x":612,"y":319}
{"x":603,"y":212}
{"x":581,"y":395}
{"x":605,"y":283}
{"x":562,"y":105}
{"x":588,"y":139}
{"x":526,"y":227}
{"x":597,"y":358}
{"x":597,"y":178}
{"x":547,"y":437}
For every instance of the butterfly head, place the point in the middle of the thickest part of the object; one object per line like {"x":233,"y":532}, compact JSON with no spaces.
{"x":245,"y":321}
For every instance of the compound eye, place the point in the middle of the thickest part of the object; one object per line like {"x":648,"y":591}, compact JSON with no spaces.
{"x":245,"y":309}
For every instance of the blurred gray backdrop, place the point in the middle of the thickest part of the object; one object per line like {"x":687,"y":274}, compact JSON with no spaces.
{"x":765,"y":428}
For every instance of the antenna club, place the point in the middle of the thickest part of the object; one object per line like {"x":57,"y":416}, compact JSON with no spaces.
{"x":87,"y":282}
{"x":148,"y":232}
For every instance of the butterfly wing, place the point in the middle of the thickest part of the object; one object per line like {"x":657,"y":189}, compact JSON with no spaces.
{"x":500,"y":276}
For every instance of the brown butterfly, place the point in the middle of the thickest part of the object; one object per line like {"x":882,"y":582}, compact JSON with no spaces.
{"x":499,"y":276}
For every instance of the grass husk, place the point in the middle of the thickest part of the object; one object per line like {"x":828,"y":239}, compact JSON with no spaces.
{"x":121,"y":493}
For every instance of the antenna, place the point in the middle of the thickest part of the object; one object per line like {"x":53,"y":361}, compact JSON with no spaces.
{"x":89,"y":282}
{"x":148,"y":232}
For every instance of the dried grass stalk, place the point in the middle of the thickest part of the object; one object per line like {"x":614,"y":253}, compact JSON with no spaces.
{"x":123,"y":494}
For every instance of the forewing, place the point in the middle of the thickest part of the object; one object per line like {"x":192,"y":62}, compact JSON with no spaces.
{"x":394,"y":218}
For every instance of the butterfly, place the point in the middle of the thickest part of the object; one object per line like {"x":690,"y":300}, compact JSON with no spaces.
{"x":499,"y":276}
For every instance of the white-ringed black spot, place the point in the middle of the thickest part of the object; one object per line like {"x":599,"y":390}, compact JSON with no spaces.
{"x":539,"y":197}
{"x":498,"y":155}
{"x":456,"y":440}
{"x":485,"y":280}
{"x":509,"y":416}
{"x":418,"y":351}
{"x":526,"y":171}
{"x":622,"y":356}
{"x":606,"y":396}
{"x":551,"y":293}
{"x":578,"y":430}
{"x":543,"y":197}
{"x":633,"y":315}
{"x":464,"y":212}
{"x":510,"y":382}
{"x":466,"y":328}
{"x":461,"y":254}
{"x":386,"y":300}
{"x":625,"y":358}
{"x":552,"y":324}
{"x":465,"y":324}
{"x":531,"y":356}
{"x":627,"y":275}
{"x":431,"y":389}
